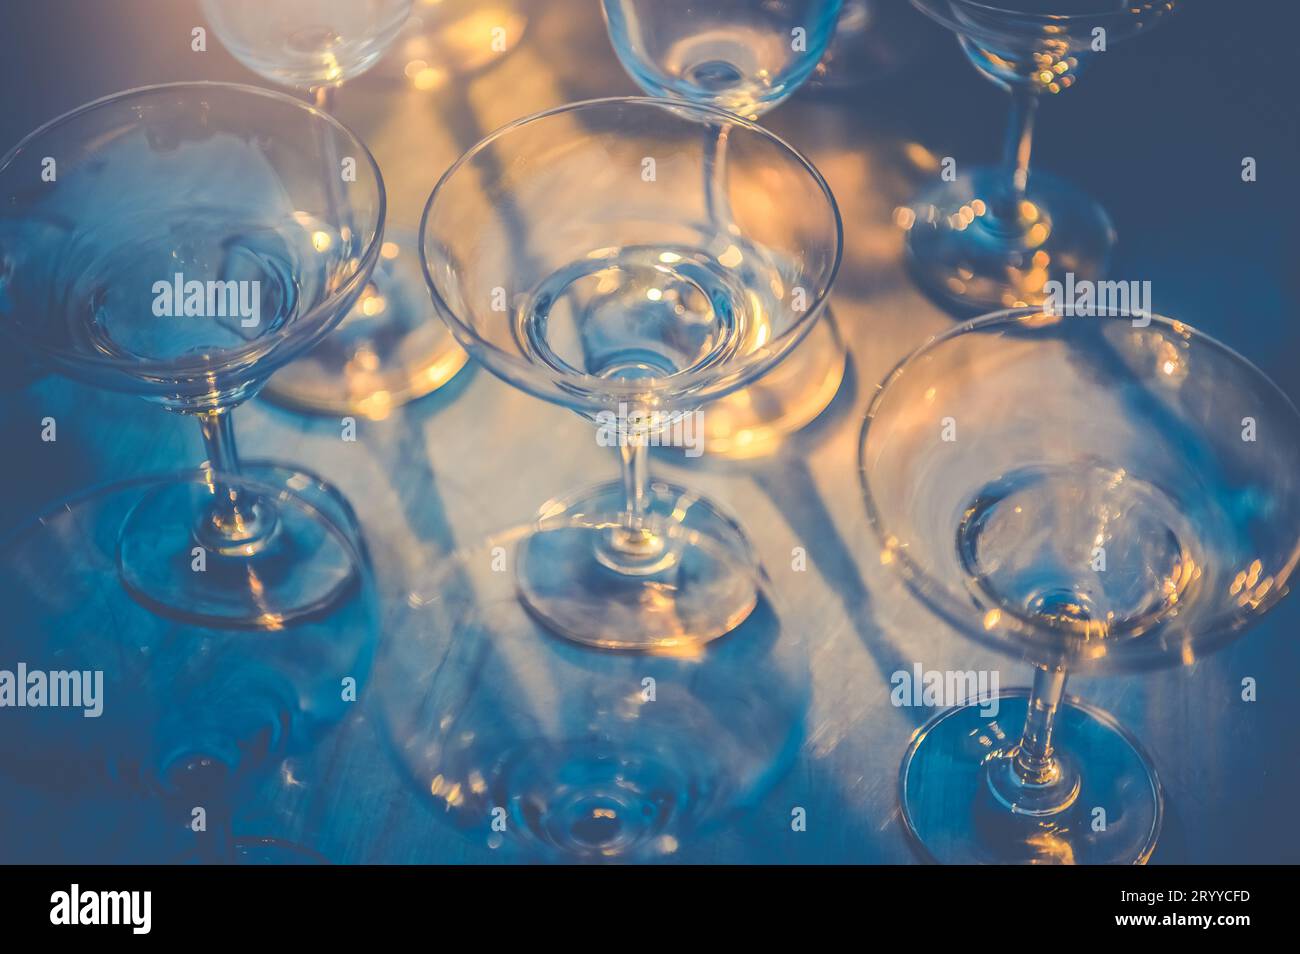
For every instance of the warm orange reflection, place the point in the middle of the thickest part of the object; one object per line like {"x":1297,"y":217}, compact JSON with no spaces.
{"x":445,"y":38}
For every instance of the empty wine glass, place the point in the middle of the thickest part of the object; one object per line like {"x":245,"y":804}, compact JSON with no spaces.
{"x":1087,"y":493}
{"x":572,"y":253}
{"x":180,"y":712}
{"x":181,"y":242}
{"x":542,"y":749}
{"x":744,"y":56}
{"x":389,"y":349}
{"x":994,"y":237}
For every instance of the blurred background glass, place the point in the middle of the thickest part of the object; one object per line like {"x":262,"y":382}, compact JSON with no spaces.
{"x":993,"y":237}
{"x":389,"y":349}
{"x":307,"y":43}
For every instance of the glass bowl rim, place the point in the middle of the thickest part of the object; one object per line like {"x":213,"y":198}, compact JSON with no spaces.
{"x":934,"y":9}
{"x":310,"y":325}
{"x":1026,"y":637}
{"x":591,"y":391}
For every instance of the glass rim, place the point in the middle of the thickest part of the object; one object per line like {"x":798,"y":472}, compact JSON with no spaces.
{"x":1082,"y":20}
{"x":1027,"y":636}
{"x":224,"y":360}
{"x":589,"y":389}
{"x":1031,"y":15}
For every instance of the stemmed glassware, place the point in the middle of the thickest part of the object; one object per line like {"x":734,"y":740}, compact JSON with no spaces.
{"x":1087,"y":493}
{"x":746,"y":57}
{"x":573,"y":254}
{"x":542,"y":749}
{"x":993,"y":237}
{"x":388,"y":350}
{"x":181,"y":242}
{"x":181,"y":712}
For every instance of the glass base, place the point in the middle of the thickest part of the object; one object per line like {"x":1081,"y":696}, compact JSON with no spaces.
{"x":690,"y":576}
{"x":391,"y":347}
{"x":959,"y":253}
{"x":752,"y":421}
{"x":303,"y":569}
{"x":952,"y":809}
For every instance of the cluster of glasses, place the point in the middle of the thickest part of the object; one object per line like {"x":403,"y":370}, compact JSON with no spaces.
{"x":636,"y":258}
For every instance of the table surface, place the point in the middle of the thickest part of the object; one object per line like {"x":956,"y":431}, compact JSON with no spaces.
{"x":1157,"y":132}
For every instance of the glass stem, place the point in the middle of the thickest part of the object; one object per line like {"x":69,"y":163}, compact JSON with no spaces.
{"x":323,"y":98}
{"x":717,"y":208}
{"x":632,"y":456}
{"x":1032,"y":779}
{"x":632,"y":548}
{"x":1035,"y":761}
{"x":1015,"y":159}
{"x":235,"y":522}
{"x":218,"y":430}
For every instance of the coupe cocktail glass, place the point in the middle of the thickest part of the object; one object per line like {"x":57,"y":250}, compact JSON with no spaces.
{"x":573,"y":254}
{"x":745,"y":57}
{"x":1089,"y":494}
{"x":181,"y":242}
{"x":389,"y":349}
{"x":994,"y":237}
